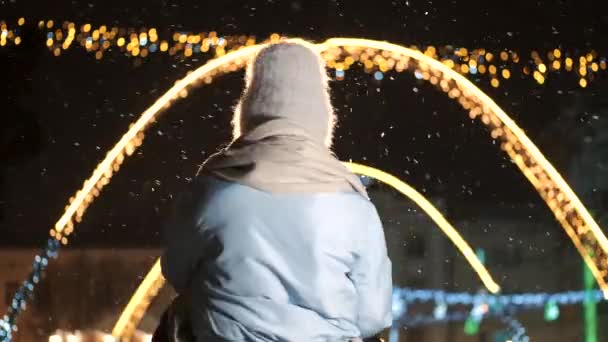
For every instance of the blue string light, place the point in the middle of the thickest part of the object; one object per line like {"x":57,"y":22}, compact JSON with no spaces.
{"x":527,"y":300}
{"x":420,"y":320}
{"x":483,"y":305}
{"x":8,"y":324}
{"x":518,"y":331}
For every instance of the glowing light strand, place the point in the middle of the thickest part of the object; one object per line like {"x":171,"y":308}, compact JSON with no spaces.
{"x":527,"y":300}
{"x":139,"y":303}
{"x":26,"y":290}
{"x":435,"y":215}
{"x":141,"y":43}
{"x":131,"y":140}
{"x":582,"y":229}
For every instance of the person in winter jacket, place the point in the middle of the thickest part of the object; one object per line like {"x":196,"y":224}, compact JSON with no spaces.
{"x":276,"y":240}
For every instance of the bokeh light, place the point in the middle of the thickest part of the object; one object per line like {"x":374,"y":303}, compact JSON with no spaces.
{"x":140,"y":43}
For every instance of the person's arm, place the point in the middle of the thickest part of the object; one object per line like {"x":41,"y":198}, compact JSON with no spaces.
{"x":372,"y":277}
{"x":183,"y":242}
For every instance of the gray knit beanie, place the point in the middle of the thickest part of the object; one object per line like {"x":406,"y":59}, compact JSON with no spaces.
{"x":287,"y":80}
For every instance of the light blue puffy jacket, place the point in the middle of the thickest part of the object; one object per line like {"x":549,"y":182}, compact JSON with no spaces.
{"x":278,"y":267}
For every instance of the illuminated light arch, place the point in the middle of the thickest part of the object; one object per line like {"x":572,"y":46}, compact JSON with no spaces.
{"x":154,"y":280}
{"x":134,"y":138}
{"x":567,"y":208}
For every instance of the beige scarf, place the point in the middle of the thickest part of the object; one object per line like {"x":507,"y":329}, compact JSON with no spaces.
{"x":278,"y":156}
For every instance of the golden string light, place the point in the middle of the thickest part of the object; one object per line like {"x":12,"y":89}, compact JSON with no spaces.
{"x":567,"y":208}
{"x":138,"y":303}
{"x":141,"y":43}
{"x":435,"y":215}
{"x":134,"y":138}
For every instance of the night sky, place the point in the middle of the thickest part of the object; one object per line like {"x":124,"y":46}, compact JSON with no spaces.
{"x":60,"y":114}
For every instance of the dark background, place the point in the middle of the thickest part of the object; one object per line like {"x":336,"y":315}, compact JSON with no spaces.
{"x":60,"y":114}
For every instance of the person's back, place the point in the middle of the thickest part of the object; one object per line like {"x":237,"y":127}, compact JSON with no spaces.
{"x":276,"y":240}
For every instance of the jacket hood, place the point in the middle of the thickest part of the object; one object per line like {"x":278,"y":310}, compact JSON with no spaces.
{"x":286,"y":81}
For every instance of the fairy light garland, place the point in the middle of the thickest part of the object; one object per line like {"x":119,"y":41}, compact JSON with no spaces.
{"x":407,"y":296}
{"x":8,"y":324}
{"x":140,"y":43}
{"x":483,"y":306}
